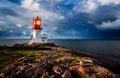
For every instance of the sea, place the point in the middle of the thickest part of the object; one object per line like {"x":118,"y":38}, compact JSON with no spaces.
{"x":106,"y":49}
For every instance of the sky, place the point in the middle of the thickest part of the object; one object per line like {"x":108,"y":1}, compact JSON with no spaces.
{"x":61,"y":19}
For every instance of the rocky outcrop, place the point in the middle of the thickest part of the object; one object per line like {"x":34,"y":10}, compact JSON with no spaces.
{"x":45,"y":46}
{"x":67,"y":74}
{"x":91,"y":70}
{"x":38,"y":68}
{"x":58,"y":62}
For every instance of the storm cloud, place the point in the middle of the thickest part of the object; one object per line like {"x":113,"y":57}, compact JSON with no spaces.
{"x":84,"y":19}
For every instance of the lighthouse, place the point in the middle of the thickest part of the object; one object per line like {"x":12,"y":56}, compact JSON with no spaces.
{"x":37,"y":27}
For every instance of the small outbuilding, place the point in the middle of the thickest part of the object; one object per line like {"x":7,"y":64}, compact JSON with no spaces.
{"x":44,"y":37}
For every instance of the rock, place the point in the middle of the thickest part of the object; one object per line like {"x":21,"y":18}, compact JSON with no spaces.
{"x":50,"y":44}
{"x":66,"y":61}
{"x":43,"y":46}
{"x":4,"y":47}
{"x":67,"y":74}
{"x":86,"y":63}
{"x":53,"y":76}
{"x":28,"y":60}
{"x":93,"y":72}
{"x":56,"y":76}
{"x":2,"y":75}
{"x":45,"y":75}
{"x":16,"y":55}
{"x":22,"y":58}
{"x":59,"y":69}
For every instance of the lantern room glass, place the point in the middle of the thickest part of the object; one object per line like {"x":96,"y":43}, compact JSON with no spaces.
{"x":38,"y":22}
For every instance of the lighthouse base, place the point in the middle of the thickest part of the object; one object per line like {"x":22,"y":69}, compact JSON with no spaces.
{"x":36,"y":37}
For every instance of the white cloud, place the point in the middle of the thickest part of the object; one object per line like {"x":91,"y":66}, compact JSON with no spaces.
{"x":19,"y":25}
{"x":88,"y":6}
{"x":18,"y":21}
{"x":61,"y":17}
{"x":107,"y":2}
{"x":30,"y":4}
{"x":3,"y":23}
{"x":24,"y":33}
{"x":110,"y":25}
{"x":35,"y":9}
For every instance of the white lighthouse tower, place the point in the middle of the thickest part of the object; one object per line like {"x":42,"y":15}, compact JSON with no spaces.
{"x":36,"y":36}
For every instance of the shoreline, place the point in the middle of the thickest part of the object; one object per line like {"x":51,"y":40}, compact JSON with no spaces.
{"x":57,"y":52}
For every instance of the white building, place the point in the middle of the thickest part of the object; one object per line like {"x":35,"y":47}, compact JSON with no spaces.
{"x":44,"y":37}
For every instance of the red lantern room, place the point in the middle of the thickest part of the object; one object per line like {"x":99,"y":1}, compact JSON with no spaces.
{"x":37,"y":23}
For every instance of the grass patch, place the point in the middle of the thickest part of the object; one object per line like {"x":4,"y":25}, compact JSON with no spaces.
{"x":31,"y":53}
{"x":27,"y":51}
{"x":57,"y":56}
{"x":7,"y":57}
{"x":75,"y":61}
{"x":87,"y":58}
{"x":62,"y":58}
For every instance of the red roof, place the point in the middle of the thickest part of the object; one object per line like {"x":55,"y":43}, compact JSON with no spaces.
{"x":36,"y":25}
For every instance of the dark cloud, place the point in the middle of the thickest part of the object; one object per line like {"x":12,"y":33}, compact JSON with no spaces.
{"x":105,"y":13}
{"x":7,"y":11}
{"x":15,"y":1}
{"x":64,"y":17}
